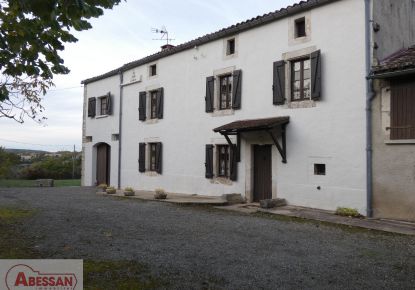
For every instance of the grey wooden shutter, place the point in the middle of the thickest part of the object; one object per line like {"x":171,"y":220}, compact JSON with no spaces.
{"x":109,"y":104}
{"x":92,"y":106}
{"x":233,"y":163}
{"x":159,"y":157}
{"x":315,"y":75}
{"x":210,"y":86}
{"x":160,"y":103}
{"x":142,"y":157}
{"x":237,"y":89}
{"x":278,"y":86}
{"x":142,"y":106}
{"x":209,"y":161}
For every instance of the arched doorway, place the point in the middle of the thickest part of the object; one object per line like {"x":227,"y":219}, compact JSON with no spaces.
{"x":103,"y":163}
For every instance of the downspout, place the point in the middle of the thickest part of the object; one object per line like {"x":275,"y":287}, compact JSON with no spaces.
{"x":369,"y":98}
{"x":119,"y":130}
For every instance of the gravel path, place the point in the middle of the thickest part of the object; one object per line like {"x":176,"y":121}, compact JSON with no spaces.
{"x":201,"y":247}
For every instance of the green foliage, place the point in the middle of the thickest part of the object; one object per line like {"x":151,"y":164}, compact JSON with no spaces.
{"x":7,"y":162}
{"x":32,"y":35}
{"x":52,"y":167}
{"x":349,"y":212}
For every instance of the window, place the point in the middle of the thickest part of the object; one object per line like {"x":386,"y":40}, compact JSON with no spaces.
{"x":153,"y":150}
{"x":230,"y":46}
{"x":153,"y":70}
{"x":150,"y":157}
{"x":88,"y":139}
{"x":319,"y":169}
{"x":115,"y":137}
{"x":402,"y":110}
{"x":225,"y":92}
{"x":223,"y":161}
{"x":103,"y":106}
{"x":300,"y":29}
{"x":150,"y":104}
{"x":301,"y":80}
{"x":153,"y":105}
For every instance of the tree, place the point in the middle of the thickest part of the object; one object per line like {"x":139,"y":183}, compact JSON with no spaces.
{"x":32,"y":34}
{"x":7,"y":162}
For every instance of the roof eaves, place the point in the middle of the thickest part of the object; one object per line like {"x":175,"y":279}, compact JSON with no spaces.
{"x":224,"y":32}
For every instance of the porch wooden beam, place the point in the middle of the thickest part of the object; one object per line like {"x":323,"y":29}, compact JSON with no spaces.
{"x":282,"y":149}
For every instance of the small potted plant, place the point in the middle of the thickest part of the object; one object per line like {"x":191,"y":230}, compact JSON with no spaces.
{"x":103,"y":187}
{"x":160,"y":194}
{"x":129,"y":191}
{"x":111,"y":190}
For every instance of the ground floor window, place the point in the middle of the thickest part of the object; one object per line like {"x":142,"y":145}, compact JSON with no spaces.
{"x":223,"y":161}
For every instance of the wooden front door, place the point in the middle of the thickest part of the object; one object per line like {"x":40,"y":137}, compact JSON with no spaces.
{"x":262,"y":172}
{"x":103,"y":164}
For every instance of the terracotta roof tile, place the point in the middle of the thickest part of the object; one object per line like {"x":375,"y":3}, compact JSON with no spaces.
{"x":399,"y":61}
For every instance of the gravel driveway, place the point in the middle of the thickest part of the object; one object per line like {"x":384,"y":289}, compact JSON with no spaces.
{"x":200,"y":247}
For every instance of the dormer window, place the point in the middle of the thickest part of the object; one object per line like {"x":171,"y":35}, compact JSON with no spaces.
{"x":230,"y":46}
{"x":300,"y":29}
{"x":153,"y":70}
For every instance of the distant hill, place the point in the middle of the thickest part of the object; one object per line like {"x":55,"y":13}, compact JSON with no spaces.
{"x":25,"y":151}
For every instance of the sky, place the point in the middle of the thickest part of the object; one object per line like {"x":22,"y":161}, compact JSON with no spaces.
{"x":121,"y":35}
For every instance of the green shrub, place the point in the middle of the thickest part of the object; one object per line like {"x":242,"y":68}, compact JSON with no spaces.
{"x":349,"y":212}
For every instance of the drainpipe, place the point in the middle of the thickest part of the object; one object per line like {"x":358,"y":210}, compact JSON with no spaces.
{"x":119,"y":130}
{"x":369,"y":97}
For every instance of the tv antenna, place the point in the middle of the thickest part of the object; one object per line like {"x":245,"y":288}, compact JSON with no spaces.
{"x":164,"y":34}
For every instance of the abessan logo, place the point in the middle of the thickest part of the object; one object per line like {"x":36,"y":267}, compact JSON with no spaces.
{"x":42,"y":274}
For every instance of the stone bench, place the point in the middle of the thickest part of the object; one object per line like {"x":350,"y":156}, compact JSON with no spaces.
{"x":45,"y":183}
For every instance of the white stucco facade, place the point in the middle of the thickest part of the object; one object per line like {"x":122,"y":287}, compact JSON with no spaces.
{"x":330,"y":131}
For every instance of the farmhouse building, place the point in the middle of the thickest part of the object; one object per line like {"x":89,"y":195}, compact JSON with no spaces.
{"x":275,"y":106}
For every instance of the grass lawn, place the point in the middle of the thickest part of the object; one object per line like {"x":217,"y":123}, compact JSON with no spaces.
{"x":31,"y":183}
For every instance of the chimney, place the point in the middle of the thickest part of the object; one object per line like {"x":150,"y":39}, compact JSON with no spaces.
{"x":166,"y":47}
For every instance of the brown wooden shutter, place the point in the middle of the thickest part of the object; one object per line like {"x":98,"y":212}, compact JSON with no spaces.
{"x":315,"y":75}
{"x":237,"y":89}
{"x":160,"y":103}
{"x":92,"y":107}
{"x":210,"y":86}
{"x":142,"y":106}
{"x":109,"y":104}
{"x":159,"y":154}
{"x":233,"y":163}
{"x":142,"y":157}
{"x":402,"y":110}
{"x":278,"y":86}
{"x":209,"y":161}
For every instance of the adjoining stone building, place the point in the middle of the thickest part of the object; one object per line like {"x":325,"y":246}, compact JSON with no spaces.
{"x":394,"y":136}
{"x":274,"y":106}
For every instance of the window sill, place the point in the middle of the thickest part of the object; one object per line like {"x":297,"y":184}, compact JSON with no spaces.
{"x":151,"y":173}
{"x":101,"y":116}
{"x":220,"y":113}
{"x":221,"y":180}
{"x":397,"y":142}
{"x":301,"y":104}
{"x":151,"y":121}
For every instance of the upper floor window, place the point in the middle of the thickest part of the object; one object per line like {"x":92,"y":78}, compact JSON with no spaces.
{"x":230,"y":46}
{"x":153,"y":105}
{"x":300,"y":27}
{"x":301,"y":80}
{"x":103,"y":105}
{"x":153,"y":70}
{"x":225,"y":92}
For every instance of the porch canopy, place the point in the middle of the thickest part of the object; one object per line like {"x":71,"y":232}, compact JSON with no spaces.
{"x":275,"y":127}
